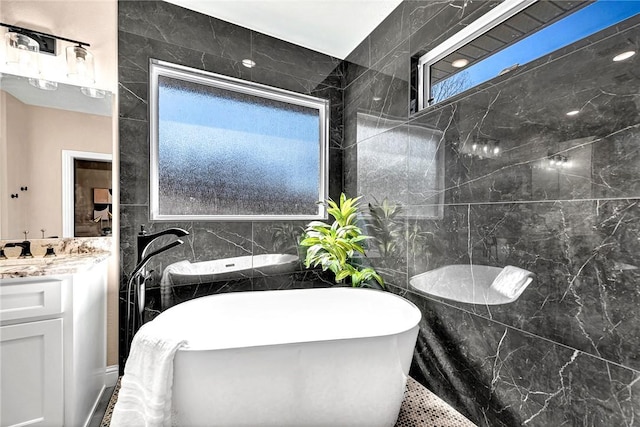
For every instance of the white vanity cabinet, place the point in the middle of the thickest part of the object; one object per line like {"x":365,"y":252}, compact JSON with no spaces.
{"x":52,"y":347}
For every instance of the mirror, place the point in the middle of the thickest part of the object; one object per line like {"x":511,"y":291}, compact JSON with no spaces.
{"x":36,"y":127}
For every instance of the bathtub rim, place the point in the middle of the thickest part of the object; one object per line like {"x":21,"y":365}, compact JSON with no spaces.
{"x":291,"y":259}
{"x":187,"y":348}
{"x":178,"y":278}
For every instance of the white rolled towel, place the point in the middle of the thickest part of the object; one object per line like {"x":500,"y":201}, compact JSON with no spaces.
{"x":512,"y":281}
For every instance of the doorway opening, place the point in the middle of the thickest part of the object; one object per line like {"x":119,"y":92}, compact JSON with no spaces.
{"x":92,"y":207}
{"x":87,"y":183}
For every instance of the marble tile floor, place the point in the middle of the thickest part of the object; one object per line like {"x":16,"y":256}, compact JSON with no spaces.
{"x":420,"y":408}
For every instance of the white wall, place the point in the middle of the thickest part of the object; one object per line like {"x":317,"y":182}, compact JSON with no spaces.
{"x":15,"y":167}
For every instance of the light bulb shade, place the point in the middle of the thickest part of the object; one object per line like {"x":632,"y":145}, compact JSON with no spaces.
{"x":43,"y":84}
{"x":22,"y":53}
{"x":93,"y":92}
{"x":80,"y":65}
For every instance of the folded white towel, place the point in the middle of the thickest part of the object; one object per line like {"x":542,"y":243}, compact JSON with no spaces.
{"x":512,"y":281}
{"x":145,"y":391}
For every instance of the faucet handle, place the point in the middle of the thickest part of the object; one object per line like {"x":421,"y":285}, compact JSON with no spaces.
{"x":50,"y":251}
{"x":25,"y":232}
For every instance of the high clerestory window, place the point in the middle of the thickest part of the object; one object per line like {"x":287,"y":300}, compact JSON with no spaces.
{"x":511,"y":35}
{"x":227,"y":149}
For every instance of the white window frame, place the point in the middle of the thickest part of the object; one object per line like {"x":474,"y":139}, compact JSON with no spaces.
{"x":157,"y":68}
{"x":486,"y":22}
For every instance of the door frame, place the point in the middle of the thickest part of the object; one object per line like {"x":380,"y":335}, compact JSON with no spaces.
{"x":68,"y":184}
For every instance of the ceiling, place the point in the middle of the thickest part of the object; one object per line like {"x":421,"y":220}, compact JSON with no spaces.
{"x":333,"y":27}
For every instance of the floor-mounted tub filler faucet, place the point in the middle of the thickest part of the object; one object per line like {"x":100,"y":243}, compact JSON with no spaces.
{"x":140,"y":274}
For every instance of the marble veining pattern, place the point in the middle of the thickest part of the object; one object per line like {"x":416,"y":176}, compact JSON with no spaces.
{"x":571,"y":387}
{"x":163,"y":31}
{"x":73,"y":254}
{"x":565,"y":352}
{"x":69,"y":264}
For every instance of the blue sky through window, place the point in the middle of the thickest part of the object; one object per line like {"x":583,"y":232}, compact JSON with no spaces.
{"x":576,"y":26}
{"x":219,"y":109}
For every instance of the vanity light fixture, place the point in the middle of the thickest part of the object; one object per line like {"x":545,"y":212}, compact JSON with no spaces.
{"x":483,"y":149}
{"x":558,"y":161}
{"x":80,"y":64}
{"x":573,"y":112}
{"x":460,"y":63}
{"x":22,"y":53}
{"x":248,"y":63}
{"x":24,"y":45}
{"x":624,"y":55}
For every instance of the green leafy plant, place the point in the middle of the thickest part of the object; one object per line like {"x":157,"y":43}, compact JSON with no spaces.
{"x":335,"y":246}
{"x":286,"y":237}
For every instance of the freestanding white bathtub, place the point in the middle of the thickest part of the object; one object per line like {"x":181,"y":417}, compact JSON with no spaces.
{"x":312,"y":357}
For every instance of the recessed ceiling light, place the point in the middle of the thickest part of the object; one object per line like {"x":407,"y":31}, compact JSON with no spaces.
{"x":459,"y":63}
{"x":248,"y":63}
{"x":573,"y":112}
{"x":624,"y":55}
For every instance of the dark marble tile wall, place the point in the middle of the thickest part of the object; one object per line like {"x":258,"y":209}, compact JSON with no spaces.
{"x":184,"y":292}
{"x":498,"y":375}
{"x":565,"y":352}
{"x":160,"y":30}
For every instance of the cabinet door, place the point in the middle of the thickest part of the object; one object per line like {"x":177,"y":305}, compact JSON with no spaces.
{"x":31,"y":391}
{"x":24,"y":300}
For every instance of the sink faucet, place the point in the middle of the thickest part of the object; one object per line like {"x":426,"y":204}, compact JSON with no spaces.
{"x":25,"y":248}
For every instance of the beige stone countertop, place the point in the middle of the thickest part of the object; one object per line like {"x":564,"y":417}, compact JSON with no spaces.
{"x":38,"y":266}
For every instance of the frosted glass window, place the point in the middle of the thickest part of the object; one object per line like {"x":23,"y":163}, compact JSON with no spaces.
{"x":224,"y":148}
